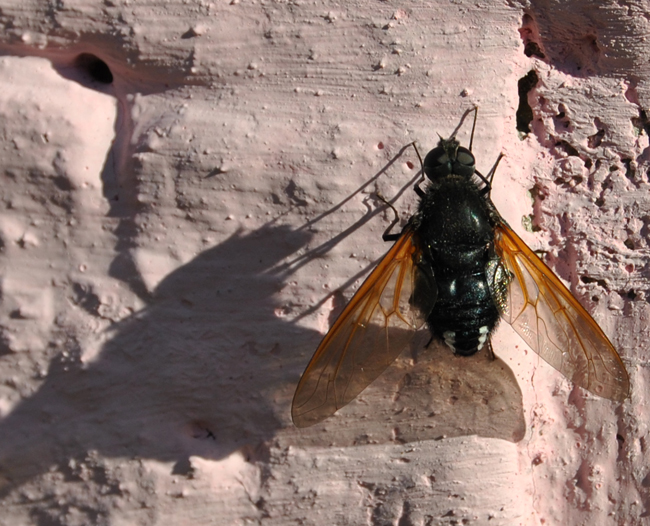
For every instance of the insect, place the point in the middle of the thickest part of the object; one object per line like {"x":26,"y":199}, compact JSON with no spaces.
{"x":457,"y":267}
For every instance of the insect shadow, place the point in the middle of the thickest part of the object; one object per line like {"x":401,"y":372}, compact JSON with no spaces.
{"x":194,"y":373}
{"x":427,"y":393}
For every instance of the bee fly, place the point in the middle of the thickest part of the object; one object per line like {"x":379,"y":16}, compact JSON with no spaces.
{"x":457,"y":267}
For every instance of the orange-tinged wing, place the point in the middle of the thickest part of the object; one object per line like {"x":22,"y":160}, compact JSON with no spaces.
{"x":380,"y":320}
{"x":546,"y":315}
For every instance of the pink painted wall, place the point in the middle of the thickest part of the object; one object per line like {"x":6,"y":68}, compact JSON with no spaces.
{"x":174,"y":244}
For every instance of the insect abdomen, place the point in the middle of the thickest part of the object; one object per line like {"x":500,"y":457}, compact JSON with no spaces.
{"x":457,"y":229}
{"x":465,"y":313}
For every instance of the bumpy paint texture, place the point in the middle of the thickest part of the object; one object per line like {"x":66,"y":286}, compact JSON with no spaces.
{"x":187,"y":200}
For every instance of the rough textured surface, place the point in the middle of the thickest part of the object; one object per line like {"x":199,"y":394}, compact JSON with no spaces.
{"x":175,"y":243}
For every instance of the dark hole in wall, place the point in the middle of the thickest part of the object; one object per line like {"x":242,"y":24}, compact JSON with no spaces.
{"x":95,"y":67}
{"x":568,"y":148}
{"x":5,"y":347}
{"x":630,"y":168}
{"x":561,"y":121}
{"x":599,"y":282}
{"x":642,"y":122}
{"x":531,"y":49}
{"x":595,"y":140}
{"x":524,"y":111}
{"x":530,"y":37}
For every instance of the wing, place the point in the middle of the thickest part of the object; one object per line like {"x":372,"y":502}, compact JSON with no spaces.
{"x":380,"y":320}
{"x":542,"y":310}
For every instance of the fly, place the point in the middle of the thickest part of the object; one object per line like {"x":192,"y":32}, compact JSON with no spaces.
{"x":457,"y":267}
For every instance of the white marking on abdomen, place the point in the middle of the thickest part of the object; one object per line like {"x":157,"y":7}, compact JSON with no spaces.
{"x":450,"y":339}
{"x":483,"y":331}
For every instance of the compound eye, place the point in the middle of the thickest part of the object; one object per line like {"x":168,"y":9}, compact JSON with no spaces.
{"x":437,"y":163}
{"x":465,"y":157}
{"x":464,"y":164}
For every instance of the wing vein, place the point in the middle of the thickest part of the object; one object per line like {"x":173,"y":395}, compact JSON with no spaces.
{"x":554,"y":323}
{"x":378,"y":322}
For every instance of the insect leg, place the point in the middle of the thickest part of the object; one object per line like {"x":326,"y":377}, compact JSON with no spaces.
{"x":416,"y":186}
{"x":387,"y":236}
{"x":490,"y":350}
{"x":492,"y":171}
{"x":471,"y":137}
{"x":487,"y":179}
{"x":460,"y":124}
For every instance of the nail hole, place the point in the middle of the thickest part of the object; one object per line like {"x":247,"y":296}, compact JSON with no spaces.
{"x":95,"y":67}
